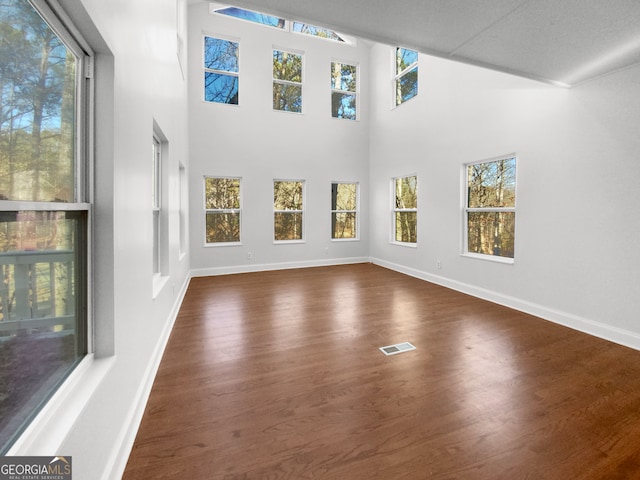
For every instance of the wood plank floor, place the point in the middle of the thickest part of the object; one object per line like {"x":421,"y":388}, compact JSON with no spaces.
{"x":277,"y":375}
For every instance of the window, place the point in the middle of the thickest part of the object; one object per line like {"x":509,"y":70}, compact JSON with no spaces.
{"x":344,"y":210}
{"x":287,"y":81}
{"x":251,"y":16}
{"x":222,"y":210}
{"x":220,"y":71}
{"x":406,"y":75}
{"x":278,"y":22}
{"x":344,"y":93}
{"x":288,"y":198}
{"x":490,"y":207}
{"x":320,"y":32}
{"x":405,"y":209}
{"x":43,"y":246}
{"x":156,"y":203}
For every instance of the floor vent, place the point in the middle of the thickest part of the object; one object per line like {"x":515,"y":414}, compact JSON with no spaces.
{"x":397,"y":348}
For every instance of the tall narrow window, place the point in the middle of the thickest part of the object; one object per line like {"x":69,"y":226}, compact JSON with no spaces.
{"x":405,"y":210}
{"x":288,"y":210}
{"x":220,"y":70}
{"x":156,"y":203}
{"x":43,"y":211}
{"x":222,"y":210}
{"x":406,"y":75}
{"x":490,"y":210}
{"x":344,"y":90}
{"x":344,"y":210}
{"x":287,"y":81}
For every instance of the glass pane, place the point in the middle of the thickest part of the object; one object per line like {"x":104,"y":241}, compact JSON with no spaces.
{"x":220,"y":88}
{"x":287,"y":195}
{"x":41,"y":323}
{"x":407,"y":192}
{"x":252,"y":16}
{"x":223,"y":227}
{"x":343,"y":225}
{"x":287,"y":226}
{"x":343,"y":77}
{"x":316,"y":31}
{"x":406,"y":227}
{"x":37,"y":120}
{"x":220,"y":54}
{"x":491,"y":233}
{"x":343,"y":196}
{"x":287,"y":66}
{"x":492,"y":184}
{"x":287,"y":98}
{"x":343,"y":105}
{"x":222,"y":193}
{"x":404,"y":59}
{"x":407,"y":86}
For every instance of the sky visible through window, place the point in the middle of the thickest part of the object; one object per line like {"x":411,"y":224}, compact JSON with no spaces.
{"x":278,"y":22}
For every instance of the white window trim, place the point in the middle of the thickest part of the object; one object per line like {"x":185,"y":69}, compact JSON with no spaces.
{"x":356,"y":211}
{"x":221,"y":210}
{"x":46,"y":430}
{"x":392,"y":238}
{"x":347,"y":92}
{"x":219,"y":72}
{"x":289,"y":82}
{"x":465,"y":210}
{"x":160,"y":275}
{"x":398,"y":75}
{"x":304,"y":223}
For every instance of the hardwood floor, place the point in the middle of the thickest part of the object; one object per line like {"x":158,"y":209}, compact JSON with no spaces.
{"x":277,"y":375}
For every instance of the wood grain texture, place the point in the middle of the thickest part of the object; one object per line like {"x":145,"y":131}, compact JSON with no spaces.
{"x":277,"y":375}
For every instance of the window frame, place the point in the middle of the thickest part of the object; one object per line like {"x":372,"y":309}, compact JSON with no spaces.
{"x":395,"y":211}
{"x":397,"y":76}
{"x":303,"y":234}
{"x":222,"y":210}
{"x":300,"y":84}
{"x":355,"y":93}
{"x":466,"y":210}
{"x":215,"y":71}
{"x":156,"y":205}
{"x":356,"y":212}
{"x":82,"y":204}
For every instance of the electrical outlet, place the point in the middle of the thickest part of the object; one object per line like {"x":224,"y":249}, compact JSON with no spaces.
{"x":438,"y":264}
{"x":249,"y":255}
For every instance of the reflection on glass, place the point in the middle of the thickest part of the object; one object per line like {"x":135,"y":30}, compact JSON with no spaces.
{"x":37,"y":122}
{"x":41,"y":318}
{"x":491,"y":233}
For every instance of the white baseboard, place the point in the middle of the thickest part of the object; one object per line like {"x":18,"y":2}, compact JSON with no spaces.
{"x":607,"y":332}
{"x":120,"y":455}
{"x":214,"y":271}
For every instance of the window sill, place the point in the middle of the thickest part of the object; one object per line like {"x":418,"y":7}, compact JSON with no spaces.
{"x":159,"y":281}
{"x":287,"y":242}
{"x":345,"y":240}
{"x":404,"y":244}
{"x":48,"y":430}
{"x":489,"y":258}
{"x":222,"y":244}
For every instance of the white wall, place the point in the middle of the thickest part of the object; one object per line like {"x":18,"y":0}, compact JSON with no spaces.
{"x":258,"y":144}
{"x":138,"y":81}
{"x":576,"y":258}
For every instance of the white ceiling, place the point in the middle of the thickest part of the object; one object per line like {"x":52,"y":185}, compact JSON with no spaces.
{"x":565,"y":42}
